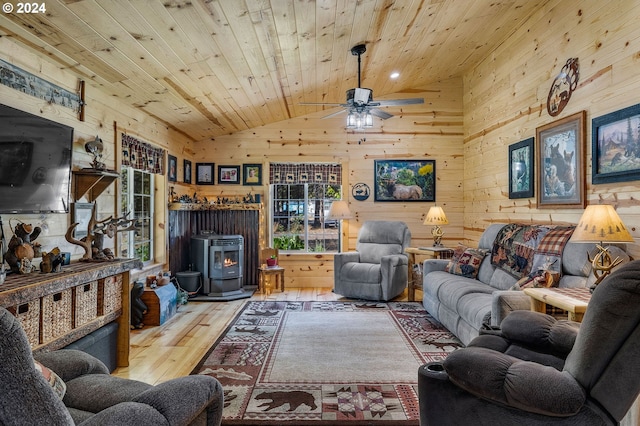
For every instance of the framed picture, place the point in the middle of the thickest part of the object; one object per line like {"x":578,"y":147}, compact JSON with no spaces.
{"x":252,"y":174}
{"x":560,"y":175}
{"x":187,"y":171}
{"x":172,"y":168}
{"x":228,"y":174}
{"x":204,"y":173}
{"x":405,"y":180}
{"x":521,"y":169}
{"x":615,"y":146}
{"x":82,"y":215}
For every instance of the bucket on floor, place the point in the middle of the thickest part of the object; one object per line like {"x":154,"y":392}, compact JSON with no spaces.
{"x":189,"y":281}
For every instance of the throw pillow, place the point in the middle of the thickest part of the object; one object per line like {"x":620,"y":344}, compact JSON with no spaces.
{"x":465,"y":261}
{"x":56,"y":383}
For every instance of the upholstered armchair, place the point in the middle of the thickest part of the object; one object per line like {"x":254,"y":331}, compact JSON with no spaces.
{"x":378,"y":269}
{"x":539,"y":371}
{"x":93,"y":397}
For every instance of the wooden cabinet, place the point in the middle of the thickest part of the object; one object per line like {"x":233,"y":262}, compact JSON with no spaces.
{"x":59,"y":308}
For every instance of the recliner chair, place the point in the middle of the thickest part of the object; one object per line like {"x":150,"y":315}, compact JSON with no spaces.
{"x":537,"y":370}
{"x":93,"y":396}
{"x":378,"y":269}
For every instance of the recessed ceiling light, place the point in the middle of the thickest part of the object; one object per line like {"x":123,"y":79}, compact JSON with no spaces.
{"x":394,"y":75}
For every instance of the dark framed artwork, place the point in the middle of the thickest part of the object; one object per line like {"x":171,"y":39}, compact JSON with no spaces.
{"x":228,"y":174}
{"x":172,"y":168}
{"x":204,"y":173}
{"x":405,"y":180}
{"x":187,"y":170}
{"x":560,"y":174}
{"x":521,"y":169}
{"x":252,"y":174}
{"x":615,"y":146}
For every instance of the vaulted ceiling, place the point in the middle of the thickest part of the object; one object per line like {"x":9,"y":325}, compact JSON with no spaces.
{"x":212,"y":67}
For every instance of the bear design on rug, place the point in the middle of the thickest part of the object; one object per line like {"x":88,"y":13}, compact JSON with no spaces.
{"x":294,"y":398}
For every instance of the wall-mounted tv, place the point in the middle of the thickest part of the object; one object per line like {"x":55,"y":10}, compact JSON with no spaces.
{"x":35,"y":163}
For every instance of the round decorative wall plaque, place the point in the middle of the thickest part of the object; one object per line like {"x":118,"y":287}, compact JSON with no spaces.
{"x":563,"y":86}
{"x":360,"y":191}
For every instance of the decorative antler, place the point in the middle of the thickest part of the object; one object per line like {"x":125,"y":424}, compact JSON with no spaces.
{"x":602,"y":263}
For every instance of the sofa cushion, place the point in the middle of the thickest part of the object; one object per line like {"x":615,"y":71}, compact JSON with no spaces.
{"x":465,"y":261}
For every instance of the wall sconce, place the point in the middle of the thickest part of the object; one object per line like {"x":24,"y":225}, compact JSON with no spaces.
{"x":436,"y":217}
{"x":600,"y":223}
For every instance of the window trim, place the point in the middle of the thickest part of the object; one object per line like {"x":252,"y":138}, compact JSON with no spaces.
{"x":131,"y":202}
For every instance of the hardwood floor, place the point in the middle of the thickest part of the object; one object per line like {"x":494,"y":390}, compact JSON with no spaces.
{"x":161,"y":353}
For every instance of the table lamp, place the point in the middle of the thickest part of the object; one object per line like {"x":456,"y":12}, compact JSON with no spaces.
{"x":436,"y":217}
{"x":600,"y":223}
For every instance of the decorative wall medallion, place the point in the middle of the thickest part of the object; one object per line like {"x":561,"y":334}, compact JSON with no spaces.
{"x":563,"y":86}
{"x":360,"y":191}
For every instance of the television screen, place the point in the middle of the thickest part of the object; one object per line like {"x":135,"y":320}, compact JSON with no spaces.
{"x":35,"y":163}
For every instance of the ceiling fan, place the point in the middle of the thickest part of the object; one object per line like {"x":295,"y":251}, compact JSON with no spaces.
{"x":360,"y":101}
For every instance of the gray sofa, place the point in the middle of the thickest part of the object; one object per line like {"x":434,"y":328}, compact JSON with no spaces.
{"x":463,"y":304}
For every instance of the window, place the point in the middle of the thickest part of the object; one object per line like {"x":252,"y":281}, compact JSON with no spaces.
{"x":137,"y":200}
{"x":299,"y":214}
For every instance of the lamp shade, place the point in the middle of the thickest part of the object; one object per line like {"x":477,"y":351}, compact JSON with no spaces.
{"x":601,"y":223}
{"x":436,"y":216}
{"x":339,"y":210}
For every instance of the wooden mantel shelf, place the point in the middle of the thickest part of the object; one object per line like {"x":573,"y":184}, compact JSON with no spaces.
{"x":203,"y":206}
{"x":92,"y":183}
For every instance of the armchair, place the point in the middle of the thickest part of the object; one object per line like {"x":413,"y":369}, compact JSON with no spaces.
{"x":378,"y":269}
{"x":537,"y":370}
{"x":93,"y":397}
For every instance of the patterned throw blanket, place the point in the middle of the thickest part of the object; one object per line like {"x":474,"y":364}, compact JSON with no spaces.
{"x":520,"y":249}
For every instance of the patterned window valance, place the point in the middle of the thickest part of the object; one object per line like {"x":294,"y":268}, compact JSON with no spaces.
{"x":295,"y":173}
{"x":142,"y":155}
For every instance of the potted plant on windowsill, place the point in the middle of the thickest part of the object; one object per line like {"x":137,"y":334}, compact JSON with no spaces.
{"x":272,"y":261}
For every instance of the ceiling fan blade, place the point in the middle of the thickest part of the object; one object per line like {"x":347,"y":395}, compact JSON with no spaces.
{"x":334,"y":114}
{"x":321,"y":103}
{"x":394,"y":102}
{"x":380,"y":114}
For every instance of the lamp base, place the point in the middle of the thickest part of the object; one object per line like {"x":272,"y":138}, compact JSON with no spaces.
{"x":602,"y":264}
{"x":437,"y":234}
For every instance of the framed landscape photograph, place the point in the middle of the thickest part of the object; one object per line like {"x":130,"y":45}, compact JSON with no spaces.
{"x":252,"y":174}
{"x":204,"y":173}
{"x":615,"y":146}
{"x":521,"y":169}
{"x":187,"y":171}
{"x":172,"y":168}
{"x":560,"y":176}
{"x":228,"y":174}
{"x":405,"y":180}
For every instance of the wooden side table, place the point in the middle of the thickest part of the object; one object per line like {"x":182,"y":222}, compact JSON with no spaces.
{"x":572,"y":300}
{"x":433,"y":252}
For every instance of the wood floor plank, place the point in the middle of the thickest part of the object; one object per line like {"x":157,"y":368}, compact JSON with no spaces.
{"x":161,"y":353}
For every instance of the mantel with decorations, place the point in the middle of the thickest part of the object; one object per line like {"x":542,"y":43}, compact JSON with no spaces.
{"x":210,"y":206}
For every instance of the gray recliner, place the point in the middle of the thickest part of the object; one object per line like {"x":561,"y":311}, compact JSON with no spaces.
{"x":539,"y":371}
{"x":93,"y":397}
{"x":378,"y":269}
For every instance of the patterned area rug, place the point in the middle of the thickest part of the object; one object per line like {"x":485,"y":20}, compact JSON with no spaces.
{"x":325,"y":363}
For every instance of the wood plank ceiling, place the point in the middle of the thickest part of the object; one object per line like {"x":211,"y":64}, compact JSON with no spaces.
{"x":212,"y":67}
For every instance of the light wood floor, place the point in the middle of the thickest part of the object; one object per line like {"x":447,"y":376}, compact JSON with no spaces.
{"x":161,"y":353}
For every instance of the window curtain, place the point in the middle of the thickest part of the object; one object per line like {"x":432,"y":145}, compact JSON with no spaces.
{"x":142,"y":155}
{"x":296,"y":173}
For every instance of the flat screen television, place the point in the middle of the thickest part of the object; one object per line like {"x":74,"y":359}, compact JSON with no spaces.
{"x":35,"y":163}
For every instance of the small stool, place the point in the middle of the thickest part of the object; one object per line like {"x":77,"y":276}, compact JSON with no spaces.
{"x":268,"y":272}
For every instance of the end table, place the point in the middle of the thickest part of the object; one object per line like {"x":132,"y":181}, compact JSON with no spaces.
{"x":572,"y":300}
{"x":438,"y":252}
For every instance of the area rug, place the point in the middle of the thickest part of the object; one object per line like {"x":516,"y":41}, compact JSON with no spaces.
{"x":325,"y":363}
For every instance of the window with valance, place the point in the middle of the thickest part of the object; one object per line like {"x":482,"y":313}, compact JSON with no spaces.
{"x":142,"y":155}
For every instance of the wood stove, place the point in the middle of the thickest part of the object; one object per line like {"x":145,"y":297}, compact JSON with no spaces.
{"x":220,"y":260}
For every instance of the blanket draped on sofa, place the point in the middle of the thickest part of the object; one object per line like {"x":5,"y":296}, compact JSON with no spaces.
{"x":519,"y":249}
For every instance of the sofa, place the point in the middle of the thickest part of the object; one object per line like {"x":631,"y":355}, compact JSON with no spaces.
{"x":467,"y":305}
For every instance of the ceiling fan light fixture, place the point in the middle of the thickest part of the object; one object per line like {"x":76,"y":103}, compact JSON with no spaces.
{"x":359,"y":120}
